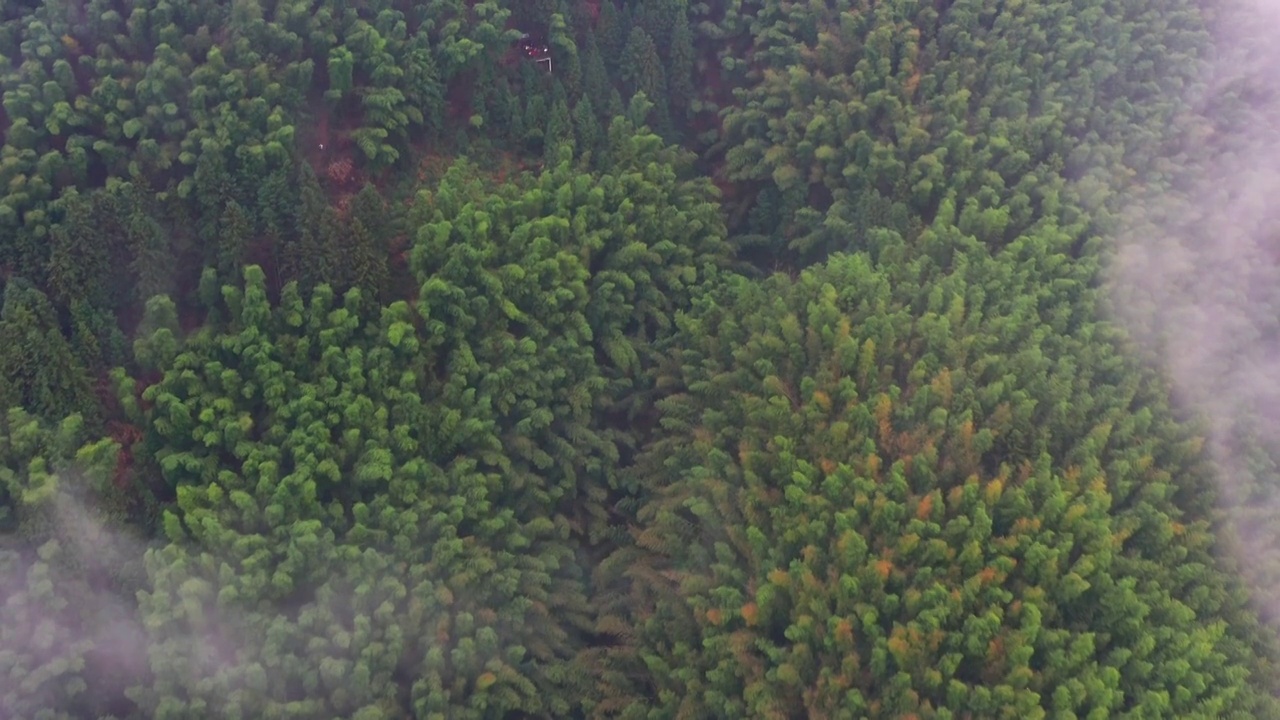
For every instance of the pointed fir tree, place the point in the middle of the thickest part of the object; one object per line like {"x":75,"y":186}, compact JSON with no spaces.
{"x":367,"y":250}
{"x":595,"y":78}
{"x":277,"y":196}
{"x":680,"y":65}
{"x":80,"y":255}
{"x":422,"y":86}
{"x":371,"y":210}
{"x":214,"y":186}
{"x":614,"y":108}
{"x":209,"y":295}
{"x":586,"y":127}
{"x":328,"y":265}
{"x":154,"y":265}
{"x":302,"y":245}
{"x":611,"y":34}
{"x":559,"y":126}
{"x":658,"y":18}
{"x":87,"y":324}
{"x":38,"y":370}
{"x":515,"y":118}
{"x":234,"y":239}
{"x":536,"y":118}
{"x":568,"y":66}
{"x":642,"y":72}
{"x":158,"y":339}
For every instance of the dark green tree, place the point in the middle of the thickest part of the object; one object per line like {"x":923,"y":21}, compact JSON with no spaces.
{"x":236,"y":234}
{"x":38,"y":370}
{"x":586,"y":127}
{"x":595,"y":78}
{"x":611,"y":34}
{"x":642,"y":72}
{"x":680,"y":60}
{"x":560,"y":128}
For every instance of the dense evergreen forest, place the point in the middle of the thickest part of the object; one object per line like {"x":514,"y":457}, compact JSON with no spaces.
{"x":720,"y":359}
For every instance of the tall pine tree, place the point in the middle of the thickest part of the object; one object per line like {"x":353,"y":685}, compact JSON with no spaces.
{"x":642,"y":72}
{"x":38,"y":370}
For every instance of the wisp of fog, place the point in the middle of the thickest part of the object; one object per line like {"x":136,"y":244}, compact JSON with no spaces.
{"x":1195,"y":279}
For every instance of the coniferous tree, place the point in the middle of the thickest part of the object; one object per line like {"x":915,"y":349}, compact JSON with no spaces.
{"x":301,"y":255}
{"x":679,"y":69}
{"x":367,"y":258}
{"x":611,"y":34}
{"x":560,"y":128}
{"x":614,"y":108}
{"x":158,"y":334}
{"x":235,"y":236}
{"x":213,"y":186}
{"x":568,"y":67}
{"x":89,"y":326}
{"x":536,"y":118}
{"x":595,"y":78}
{"x":642,"y":72}
{"x":80,"y":259}
{"x":38,"y":370}
{"x":154,"y":263}
{"x":658,"y":18}
{"x":586,"y":127}
{"x":423,"y":88}
{"x":515,"y":113}
{"x":276,"y":197}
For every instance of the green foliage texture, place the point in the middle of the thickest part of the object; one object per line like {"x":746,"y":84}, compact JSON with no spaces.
{"x":749,"y":360}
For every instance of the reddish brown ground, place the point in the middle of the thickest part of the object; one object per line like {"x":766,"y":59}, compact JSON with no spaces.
{"x":432,"y":167}
{"x":123,"y":433}
{"x":328,"y":147}
{"x":263,"y":253}
{"x":510,"y":164}
{"x":125,"y":436}
{"x":510,"y":59}
{"x":459,"y":100}
{"x":716,"y":89}
{"x":190,"y":319}
{"x":820,"y":197}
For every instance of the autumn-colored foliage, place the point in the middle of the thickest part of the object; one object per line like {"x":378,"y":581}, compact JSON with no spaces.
{"x":745,"y":360}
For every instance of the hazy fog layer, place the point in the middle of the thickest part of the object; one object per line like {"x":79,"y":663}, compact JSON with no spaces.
{"x":1196,"y":276}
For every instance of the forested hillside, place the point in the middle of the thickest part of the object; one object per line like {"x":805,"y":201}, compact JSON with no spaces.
{"x":596,"y":358}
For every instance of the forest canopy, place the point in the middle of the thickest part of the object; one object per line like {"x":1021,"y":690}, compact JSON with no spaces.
{"x":578,"y":358}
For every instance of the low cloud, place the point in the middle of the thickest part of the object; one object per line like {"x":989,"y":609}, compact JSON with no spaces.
{"x":1195,"y":276}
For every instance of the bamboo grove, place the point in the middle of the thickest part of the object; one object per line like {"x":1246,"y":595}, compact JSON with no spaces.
{"x":750,"y":359}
